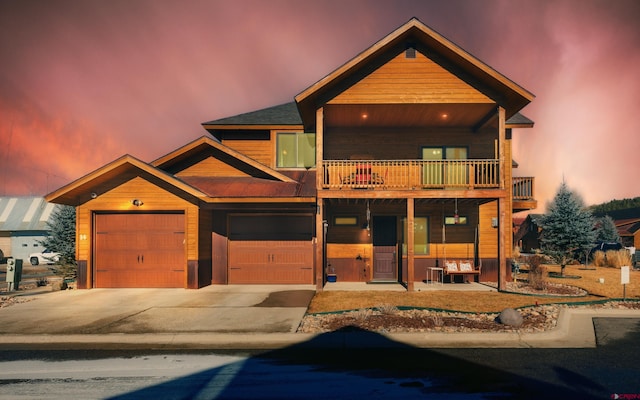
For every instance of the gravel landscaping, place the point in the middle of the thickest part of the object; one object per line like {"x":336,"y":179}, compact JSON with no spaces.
{"x":388,"y":320}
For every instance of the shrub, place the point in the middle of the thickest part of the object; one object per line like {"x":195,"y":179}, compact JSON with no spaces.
{"x":387,"y":309}
{"x":599,"y":259}
{"x":362,"y":314}
{"x":618,"y":258}
{"x":537,"y":273}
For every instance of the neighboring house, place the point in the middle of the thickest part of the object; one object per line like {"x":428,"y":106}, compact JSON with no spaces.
{"x":395,"y":162}
{"x":627,"y":222}
{"x":629,"y":230}
{"x":23,"y":224}
{"x":528,"y":235}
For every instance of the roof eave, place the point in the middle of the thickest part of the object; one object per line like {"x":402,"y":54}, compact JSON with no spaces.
{"x":79,"y":191}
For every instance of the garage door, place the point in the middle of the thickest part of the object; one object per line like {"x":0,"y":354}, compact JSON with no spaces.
{"x":270,"y":262}
{"x":139,"y":250}
{"x":270,"y":249}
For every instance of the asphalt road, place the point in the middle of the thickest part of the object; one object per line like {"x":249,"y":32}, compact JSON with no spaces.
{"x":610,"y":369}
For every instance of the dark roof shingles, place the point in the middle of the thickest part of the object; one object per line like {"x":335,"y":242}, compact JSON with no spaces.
{"x":283,"y":114}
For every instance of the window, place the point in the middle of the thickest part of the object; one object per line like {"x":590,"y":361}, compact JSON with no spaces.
{"x":345,"y":221}
{"x":451,"y":220}
{"x":420,"y":236}
{"x":295,"y":150}
{"x":439,"y":173}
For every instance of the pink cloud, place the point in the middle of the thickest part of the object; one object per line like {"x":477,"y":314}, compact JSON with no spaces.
{"x":90,"y":80}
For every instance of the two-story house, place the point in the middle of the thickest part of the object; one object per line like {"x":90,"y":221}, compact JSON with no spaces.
{"x":392,"y":164}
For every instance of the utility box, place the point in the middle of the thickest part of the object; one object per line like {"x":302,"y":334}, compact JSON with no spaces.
{"x":14,"y":273}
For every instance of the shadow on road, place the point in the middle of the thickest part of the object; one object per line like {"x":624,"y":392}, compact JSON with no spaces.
{"x":370,"y":366}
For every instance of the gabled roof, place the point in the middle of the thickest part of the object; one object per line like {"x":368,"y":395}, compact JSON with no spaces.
{"x":111,"y":175}
{"x":187,"y":155}
{"x":502,"y":90}
{"x":25,"y":214}
{"x":628,"y":227}
{"x":283,"y":115}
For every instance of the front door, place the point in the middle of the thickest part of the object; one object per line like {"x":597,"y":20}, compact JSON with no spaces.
{"x":385,"y":248}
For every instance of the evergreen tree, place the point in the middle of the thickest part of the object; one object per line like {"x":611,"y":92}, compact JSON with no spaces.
{"x":62,"y":239}
{"x":567,"y":227}
{"x":606,"y":230}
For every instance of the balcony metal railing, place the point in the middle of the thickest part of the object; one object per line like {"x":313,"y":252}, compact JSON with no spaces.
{"x":410,"y":174}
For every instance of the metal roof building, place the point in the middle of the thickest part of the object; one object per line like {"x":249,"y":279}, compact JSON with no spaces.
{"x":23,"y":223}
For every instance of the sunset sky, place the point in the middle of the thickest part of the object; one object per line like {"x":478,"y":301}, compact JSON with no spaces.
{"x":83,"y":82}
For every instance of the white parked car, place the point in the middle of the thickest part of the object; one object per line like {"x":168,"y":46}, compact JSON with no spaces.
{"x":45,"y":257}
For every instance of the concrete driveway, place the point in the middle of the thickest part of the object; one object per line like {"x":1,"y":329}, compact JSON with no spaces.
{"x":216,"y":309}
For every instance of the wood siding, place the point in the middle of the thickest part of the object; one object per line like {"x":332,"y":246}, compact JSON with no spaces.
{"x":350,"y":262}
{"x":260,"y":150}
{"x":410,"y":80}
{"x":211,"y":167}
{"x":488,"y":235}
{"x":119,"y":199}
{"x":404,"y":143}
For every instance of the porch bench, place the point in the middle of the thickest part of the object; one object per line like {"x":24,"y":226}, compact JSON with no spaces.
{"x":464,"y":268}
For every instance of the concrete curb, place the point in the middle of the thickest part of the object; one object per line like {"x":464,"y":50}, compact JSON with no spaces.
{"x":574,"y":330}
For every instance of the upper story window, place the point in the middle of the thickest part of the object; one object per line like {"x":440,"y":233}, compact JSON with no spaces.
{"x":295,"y":150}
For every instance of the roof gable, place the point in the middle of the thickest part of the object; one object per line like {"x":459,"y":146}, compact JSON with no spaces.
{"x":207,"y":157}
{"x":112,"y":175}
{"x":445,"y":53}
{"x":410,"y":80}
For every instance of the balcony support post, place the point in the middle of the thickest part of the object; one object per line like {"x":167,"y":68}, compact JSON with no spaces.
{"x":410,"y":244}
{"x":502,"y":241}
{"x":319,"y":240}
{"x":502,"y":137}
{"x":319,"y":246}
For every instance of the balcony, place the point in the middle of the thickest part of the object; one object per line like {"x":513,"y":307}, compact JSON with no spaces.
{"x":423,"y":174}
{"x":523,"y":194}
{"x":410,"y":174}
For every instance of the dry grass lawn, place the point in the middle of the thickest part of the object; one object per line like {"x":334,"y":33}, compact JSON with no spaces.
{"x":484,"y":301}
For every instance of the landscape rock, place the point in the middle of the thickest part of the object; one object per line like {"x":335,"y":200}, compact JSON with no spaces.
{"x":510,"y":317}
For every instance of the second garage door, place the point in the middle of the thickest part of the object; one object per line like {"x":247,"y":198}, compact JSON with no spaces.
{"x":270,"y":249}
{"x":139,"y":250}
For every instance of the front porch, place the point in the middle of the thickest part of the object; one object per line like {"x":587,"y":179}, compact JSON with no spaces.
{"x":368,"y":240}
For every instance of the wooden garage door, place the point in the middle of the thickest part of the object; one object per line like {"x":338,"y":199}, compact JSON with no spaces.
{"x":139,"y":250}
{"x":271,"y":249}
{"x":270,"y":262}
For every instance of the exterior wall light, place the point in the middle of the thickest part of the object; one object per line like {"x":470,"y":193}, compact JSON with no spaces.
{"x":137,"y":202}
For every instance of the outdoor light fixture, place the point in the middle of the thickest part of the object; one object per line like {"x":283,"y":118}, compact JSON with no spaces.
{"x":94,"y":195}
{"x":137,"y":202}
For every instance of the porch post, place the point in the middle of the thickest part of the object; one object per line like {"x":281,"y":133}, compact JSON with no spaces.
{"x":319,"y":246}
{"x":319,"y":242}
{"x":502,"y":137}
{"x":502,"y":240}
{"x":410,"y":242}
{"x":503,"y":202}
